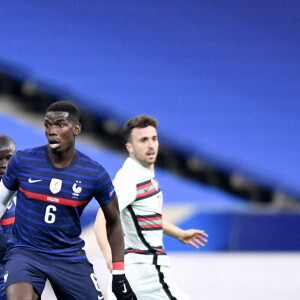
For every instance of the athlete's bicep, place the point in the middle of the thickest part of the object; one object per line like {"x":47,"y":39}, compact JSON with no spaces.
{"x":111,"y":210}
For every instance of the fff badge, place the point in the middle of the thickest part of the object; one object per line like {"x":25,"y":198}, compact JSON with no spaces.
{"x":55,"y":185}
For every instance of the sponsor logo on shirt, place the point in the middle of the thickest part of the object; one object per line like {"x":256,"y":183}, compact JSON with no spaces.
{"x":33,"y":181}
{"x":52,"y":199}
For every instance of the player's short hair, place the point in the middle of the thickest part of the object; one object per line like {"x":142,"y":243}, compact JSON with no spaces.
{"x":66,"y":106}
{"x":7,"y":143}
{"x":140,"y":121}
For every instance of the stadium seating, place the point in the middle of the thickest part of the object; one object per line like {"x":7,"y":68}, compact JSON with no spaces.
{"x":228,"y":96}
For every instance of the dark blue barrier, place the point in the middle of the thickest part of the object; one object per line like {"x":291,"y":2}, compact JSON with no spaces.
{"x":241,"y":231}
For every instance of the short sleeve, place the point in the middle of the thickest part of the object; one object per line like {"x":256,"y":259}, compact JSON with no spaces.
{"x":104,"y":190}
{"x":10,"y":177}
{"x":8,"y":219}
{"x":126,"y":191}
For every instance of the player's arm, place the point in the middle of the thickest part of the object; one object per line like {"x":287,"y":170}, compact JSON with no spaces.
{"x":101,"y":236}
{"x":5,"y":196}
{"x":114,"y":230}
{"x":193,"y":237}
{"x":120,"y":285}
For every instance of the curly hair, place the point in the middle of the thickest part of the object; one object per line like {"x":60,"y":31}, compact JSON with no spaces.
{"x":140,"y":121}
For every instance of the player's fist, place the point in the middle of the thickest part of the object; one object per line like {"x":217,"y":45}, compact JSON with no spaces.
{"x":121,"y":288}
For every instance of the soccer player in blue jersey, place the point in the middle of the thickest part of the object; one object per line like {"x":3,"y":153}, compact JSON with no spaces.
{"x":7,"y":150}
{"x":54,"y":183}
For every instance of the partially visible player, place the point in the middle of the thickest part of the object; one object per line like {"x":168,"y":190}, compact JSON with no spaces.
{"x":7,"y":150}
{"x":140,"y":200}
{"x":54,"y":183}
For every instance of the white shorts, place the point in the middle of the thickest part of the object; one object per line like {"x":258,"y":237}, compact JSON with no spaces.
{"x":148,"y":283}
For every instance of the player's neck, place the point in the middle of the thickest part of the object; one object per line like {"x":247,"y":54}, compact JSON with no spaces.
{"x":143,"y":163}
{"x":62,"y":159}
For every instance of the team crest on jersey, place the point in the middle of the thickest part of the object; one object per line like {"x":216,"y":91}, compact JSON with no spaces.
{"x":76,"y":189}
{"x":55,"y":185}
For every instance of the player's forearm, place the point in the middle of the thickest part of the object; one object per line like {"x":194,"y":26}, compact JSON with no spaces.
{"x":101,"y":236}
{"x":172,"y":230}
{"x":116,"y":240}
{"x":5,"y":196}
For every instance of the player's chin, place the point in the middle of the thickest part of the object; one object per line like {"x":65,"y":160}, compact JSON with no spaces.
{"x":56,"y":150}
{"x":151,"y":160}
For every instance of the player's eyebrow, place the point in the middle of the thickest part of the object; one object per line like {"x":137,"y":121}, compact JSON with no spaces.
{"x":56,"y":121}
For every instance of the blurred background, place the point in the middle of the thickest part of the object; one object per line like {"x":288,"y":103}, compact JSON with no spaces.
{"x":223,"y":80}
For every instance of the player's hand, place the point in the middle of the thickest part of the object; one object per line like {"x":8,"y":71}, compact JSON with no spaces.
{"x":121,"y":288}
{"x":194,"y":238}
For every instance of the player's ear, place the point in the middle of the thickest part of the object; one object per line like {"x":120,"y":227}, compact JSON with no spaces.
{"x":129,"y":148}
{"x":77,"y":129}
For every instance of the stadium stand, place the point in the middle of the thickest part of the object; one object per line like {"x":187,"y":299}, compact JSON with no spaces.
{"x":208,"y":60}
{"x":219,"y":95}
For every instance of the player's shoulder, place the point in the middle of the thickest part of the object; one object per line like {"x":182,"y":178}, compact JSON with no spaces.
{"x":127,"y":173}
{"x":34,"y":152}
{"x":87,"y":162}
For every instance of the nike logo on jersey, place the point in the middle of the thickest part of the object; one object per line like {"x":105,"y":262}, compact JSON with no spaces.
{"x":125,"y":289}
{"x":33,"y":181}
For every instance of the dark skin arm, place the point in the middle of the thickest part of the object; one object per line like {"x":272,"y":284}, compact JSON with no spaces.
{"x":114,"y":230}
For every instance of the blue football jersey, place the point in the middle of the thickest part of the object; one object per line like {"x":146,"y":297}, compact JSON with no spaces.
{"x":6,"y":229}
{"x":51,"y":200}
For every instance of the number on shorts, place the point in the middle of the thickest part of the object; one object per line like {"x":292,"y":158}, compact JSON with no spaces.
{"x":96,"y":284}
{"x":49,"y":215}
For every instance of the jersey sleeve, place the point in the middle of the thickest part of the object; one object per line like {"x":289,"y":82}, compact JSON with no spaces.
{"x":126,"y":191}
{"x":10,"y":177}
{"x":8,"y":219}
{"x":104,"y":191}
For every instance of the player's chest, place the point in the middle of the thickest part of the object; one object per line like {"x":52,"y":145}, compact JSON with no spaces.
{"x":65,"y":185}
{"x":149,"y":196}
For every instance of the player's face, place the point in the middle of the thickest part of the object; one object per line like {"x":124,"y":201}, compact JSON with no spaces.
{"x":60,"y":132}
{"x":5,"y":155}
{"x":143,"y":146}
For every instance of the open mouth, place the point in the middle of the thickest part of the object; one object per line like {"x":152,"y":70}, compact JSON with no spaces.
{"x":150,"y":154}
{"x":54,"y":144}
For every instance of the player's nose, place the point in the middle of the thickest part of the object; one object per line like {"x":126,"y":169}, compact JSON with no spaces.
{"x":3,"y":163}
{"x":52,"y":130}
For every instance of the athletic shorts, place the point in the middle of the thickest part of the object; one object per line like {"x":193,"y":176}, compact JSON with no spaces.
{"x":150,"y":282}
{"x":71,"y":278}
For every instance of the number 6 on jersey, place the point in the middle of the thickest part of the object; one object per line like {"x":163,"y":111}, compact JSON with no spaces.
{"x":49,"y":215}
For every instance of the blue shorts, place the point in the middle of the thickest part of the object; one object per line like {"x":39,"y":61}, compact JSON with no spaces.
{"x":72,"y":278}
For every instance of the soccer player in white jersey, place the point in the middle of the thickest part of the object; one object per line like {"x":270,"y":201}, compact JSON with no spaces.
{"x":140,"y":201}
